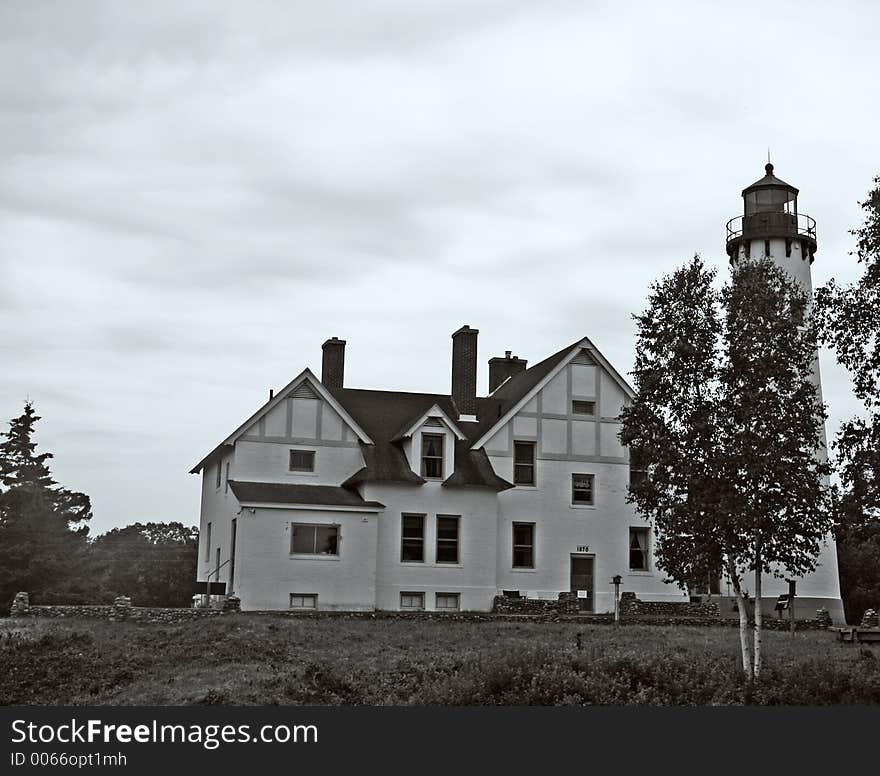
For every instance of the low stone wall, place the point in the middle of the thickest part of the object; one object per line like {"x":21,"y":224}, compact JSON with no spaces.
{"x":567,"y":603}
{"x":120,"y":610}
{"x":630,"y":605}
{"x":564,"y":609}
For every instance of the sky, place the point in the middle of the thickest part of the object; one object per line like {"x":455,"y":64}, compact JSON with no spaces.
{"x":194,"y":196}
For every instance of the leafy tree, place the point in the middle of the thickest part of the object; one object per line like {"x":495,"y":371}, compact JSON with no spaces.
{"x":728,"y":428}
{"x":42,"y":525}
{"x":849,"y":319}
{"x":154,"y":563}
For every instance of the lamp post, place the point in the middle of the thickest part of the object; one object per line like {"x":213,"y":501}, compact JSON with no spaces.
{"x":616,"y":582}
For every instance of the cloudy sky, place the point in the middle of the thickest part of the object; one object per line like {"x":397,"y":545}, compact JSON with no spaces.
{"x":194,"y":196}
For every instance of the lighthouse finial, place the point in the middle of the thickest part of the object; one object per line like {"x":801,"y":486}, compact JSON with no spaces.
{"x":768,"y":168}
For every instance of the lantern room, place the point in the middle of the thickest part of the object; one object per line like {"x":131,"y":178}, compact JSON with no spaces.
{"x":770,"y":212}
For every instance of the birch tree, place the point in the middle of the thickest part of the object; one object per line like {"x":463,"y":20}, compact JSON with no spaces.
{"x":726,"y":425}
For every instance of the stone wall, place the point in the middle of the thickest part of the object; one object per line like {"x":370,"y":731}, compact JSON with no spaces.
{"x":630,"y":605}
{"x":567,"y":603}
{"x":120,"y":610}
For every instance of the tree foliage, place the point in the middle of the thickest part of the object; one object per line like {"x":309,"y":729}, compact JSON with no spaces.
{"x":43,"y":527}
{"x":728,"y":428}
{"x":155,"y":563}
{"x":849,"y":319}
{"x":45,"y":549}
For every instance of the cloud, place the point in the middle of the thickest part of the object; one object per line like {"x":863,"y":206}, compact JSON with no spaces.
{"x":194,"y":196}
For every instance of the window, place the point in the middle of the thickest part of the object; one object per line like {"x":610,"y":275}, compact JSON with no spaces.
{"x":226,"y":481}
{"x":638,"y":470}
{"x":412,"y":538}
{"x":302,"y":460}
{"x":579,"y":407}
{"x":583,"y":490}
{"x":303,"y":600}
{"x":219,"y":473}
{"x":447,"y":539}
{"x":208,"y":544}
{"x":446,"y":602}
{"x":306,"y":539}
{"x":432,"y":455}
{"x":638,"y":549}
{"x":412,"y":600}
{"x":523,"y":463}
{"x":523,"y":545}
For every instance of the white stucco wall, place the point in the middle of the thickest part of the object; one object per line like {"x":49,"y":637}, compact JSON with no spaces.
{"x":473,"y":577}
{"x":268,"y":573}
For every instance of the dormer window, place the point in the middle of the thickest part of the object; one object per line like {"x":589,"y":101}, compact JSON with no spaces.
{"x":432,"y":456}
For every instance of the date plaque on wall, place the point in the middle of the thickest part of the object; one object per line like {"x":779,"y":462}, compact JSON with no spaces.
{"x":583,"y":548}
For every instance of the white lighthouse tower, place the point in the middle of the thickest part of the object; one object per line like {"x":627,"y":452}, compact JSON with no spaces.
{"x":772,"y":226}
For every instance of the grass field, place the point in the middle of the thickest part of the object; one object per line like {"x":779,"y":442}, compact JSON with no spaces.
{"x":259,"y":659}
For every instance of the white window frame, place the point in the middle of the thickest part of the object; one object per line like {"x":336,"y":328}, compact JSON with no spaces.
{"x":424,"y":518}
{"x":453,"y":596}
{"x":422,"y":457}
{"x":448,"y":542}
{"x":415,"y":596}
{"x":514,"y":545}
{"x":290,"y":466}
{"x":592,"y":501}
{"x":646,"y":569}
{"x":534,"y":464}
{"x":302,"y":604}
{"x":294,"y":524}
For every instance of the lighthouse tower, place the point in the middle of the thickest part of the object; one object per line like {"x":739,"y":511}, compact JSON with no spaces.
{"x":771,"y":226}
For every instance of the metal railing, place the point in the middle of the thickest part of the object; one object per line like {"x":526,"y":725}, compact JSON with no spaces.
{"x":759,"y":224}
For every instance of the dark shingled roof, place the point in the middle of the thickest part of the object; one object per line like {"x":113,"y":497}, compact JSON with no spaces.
{"x":284,"y":493}
{"x":384,"y":414}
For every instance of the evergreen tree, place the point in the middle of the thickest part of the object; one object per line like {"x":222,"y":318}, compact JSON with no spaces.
{"x":42,"y":525}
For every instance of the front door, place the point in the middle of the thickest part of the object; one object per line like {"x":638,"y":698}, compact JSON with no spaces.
{"x":582,"y":581}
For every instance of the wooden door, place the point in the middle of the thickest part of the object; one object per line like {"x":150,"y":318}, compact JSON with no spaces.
{"x":582,"y":580}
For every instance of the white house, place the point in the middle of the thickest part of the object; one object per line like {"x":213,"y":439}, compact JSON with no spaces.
{"x":332,"y":497}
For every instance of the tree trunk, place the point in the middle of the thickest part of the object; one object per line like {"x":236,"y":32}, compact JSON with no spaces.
{"x":759,"y":618}
{"x":743,"y":608}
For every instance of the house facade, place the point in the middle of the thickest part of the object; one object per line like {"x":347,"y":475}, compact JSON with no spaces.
{"x":330,"y":497}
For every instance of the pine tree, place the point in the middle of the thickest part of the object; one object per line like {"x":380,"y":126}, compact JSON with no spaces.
{"x":42,"y":525}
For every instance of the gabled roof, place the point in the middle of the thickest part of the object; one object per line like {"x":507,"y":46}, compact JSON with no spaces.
{"x":435,"y":412}
{"x":288,"y":493}
{"x":316,"y":385}
{"x":515,"y":393}
{"x":383,"y":413}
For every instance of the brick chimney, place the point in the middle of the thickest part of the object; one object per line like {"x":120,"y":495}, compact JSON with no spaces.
{"x":502,"y":368}
{"x":464,"y":370}
{"x":333,"y":365}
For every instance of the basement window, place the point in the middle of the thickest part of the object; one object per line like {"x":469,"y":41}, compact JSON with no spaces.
{"x":302,"y":460}
{"x":308,"y":539}
{"x":412,"y":601}
{"x":303,"y":600}
{"x":447,"y":602}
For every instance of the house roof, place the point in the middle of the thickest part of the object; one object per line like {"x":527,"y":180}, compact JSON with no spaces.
{"x":306,"y":376}
{"x":383,"y":413}
{"x":290,"y":493}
